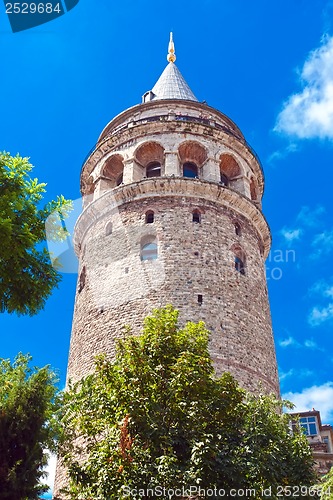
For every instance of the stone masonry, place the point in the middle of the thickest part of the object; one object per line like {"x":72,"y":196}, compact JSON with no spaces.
{"x":206,"y":230}
{"x":117,"y":288}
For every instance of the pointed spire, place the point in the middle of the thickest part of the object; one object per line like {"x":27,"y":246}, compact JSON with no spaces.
{"x":171,"y":84}
{"x":171,"y":57}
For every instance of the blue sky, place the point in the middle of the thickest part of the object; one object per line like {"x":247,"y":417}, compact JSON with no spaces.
{"x":268,"y":66}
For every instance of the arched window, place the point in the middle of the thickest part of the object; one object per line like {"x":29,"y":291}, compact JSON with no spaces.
{"x":192,"y":157}
{"x":239,"y":265}
{"x":196,"y":216}
{"x":149,"y":251}
{"x":112,"y":171}
{"x":224,"y":181}
{"x":108,"y":229}
{"x":149,"y":217}
{"x":190,"y":170}
{"x":238,"y":230}
{"x":153,"y":169}
{"x":239,"y":259}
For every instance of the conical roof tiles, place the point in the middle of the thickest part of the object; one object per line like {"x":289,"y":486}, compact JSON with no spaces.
{"x":171,"y":85}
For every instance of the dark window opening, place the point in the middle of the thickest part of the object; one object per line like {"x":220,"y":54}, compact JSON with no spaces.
{"x":190,"y":170}
{"x":149,"y":251}
{"x":153,"y":169}
{"x":224,"y":181}
{"x":238,"y":229}
{"x":200,"y":299}
{"x":119,"y":180}
{"x":82,"y":280}
{"x":149,"y":217}
{"x":196,"y":216}
{"x":108,"y":229}
{"x":239,"y":265}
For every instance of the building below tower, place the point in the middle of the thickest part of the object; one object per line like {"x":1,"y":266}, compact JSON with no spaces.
{"x":320,"y":438}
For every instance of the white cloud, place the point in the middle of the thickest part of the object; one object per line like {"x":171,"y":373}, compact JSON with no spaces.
{"x":291,"y":342}
{"x":284,"y":375}
{"x":309,"y":113}
{"x":319,"y":315}
{"x":291,"y":235}
{"x":294,"y":373}
{"x":281,"y":154}
{"x":311,"y":344}
{"x":323,"y":288}
{"x":323,"y":243}
{"x":310,"y":217}
{"x":288,"y":342}
{"x":318,"y":397}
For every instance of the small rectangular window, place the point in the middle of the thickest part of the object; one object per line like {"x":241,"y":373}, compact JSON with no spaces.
{"x":200,"y":300}
{"x":196,"y":217}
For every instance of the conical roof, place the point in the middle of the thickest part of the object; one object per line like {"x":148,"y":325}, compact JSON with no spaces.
{"x":171,"y":84}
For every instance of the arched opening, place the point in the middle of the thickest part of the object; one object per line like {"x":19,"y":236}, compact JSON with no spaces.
{"x":113,"y":170}
{"x":253,"y":190}
{"x":82,"y":280}
{"x":190,"y":169}
{"x":232,"y":173}
{"x":149,"y":250}
{"x":153,"y":169}
{"x":196,"y":216}
{"x":192,"y":156}
{"x":239,"y":265}
{"x":229,"y":166}
{"x":238,"y":230}
{"x":149,"y":217}
{"x":224,"y":181}
{"x":108,"y":229}
{"x":261,"y":248}
{"x":239,"y":259}
{"x":150,"y":157}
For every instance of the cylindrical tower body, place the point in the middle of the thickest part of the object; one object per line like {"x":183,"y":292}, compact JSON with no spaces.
{"x":172,"y":214}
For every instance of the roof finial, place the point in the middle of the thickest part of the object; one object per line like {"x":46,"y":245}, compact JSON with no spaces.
{"x":171,"y":57}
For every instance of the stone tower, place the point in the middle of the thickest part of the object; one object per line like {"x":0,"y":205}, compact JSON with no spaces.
{"x":172,"y":214}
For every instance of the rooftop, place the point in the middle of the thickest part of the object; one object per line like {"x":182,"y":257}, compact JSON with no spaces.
{"x":171,"y":84}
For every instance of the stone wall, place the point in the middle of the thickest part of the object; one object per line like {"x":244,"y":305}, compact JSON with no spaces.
{"x":195,"y":269}
{"x":194,"y":259}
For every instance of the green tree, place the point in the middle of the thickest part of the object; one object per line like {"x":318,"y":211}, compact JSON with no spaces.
{"x":159,"y":417}
{"x":27,"y":406}
{"x":26,"y":275}
{"x":326,"y":486}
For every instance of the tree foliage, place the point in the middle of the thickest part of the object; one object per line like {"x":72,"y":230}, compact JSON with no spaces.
{"x":159,"y":417}
{"x":326,"y":486}
{"x":26,"y":275}
{"x":27,"y":406}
